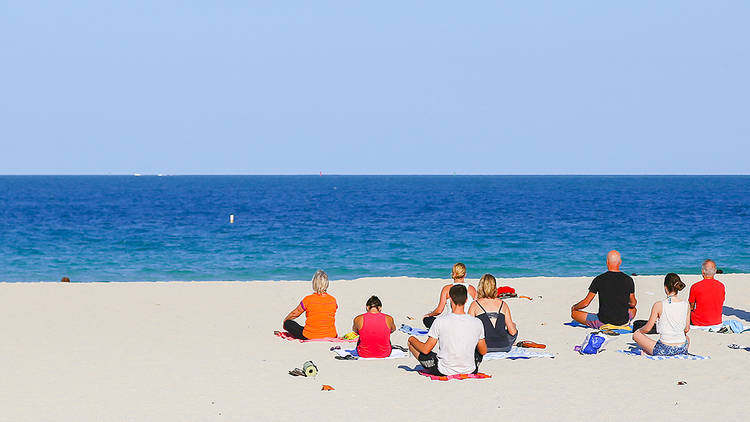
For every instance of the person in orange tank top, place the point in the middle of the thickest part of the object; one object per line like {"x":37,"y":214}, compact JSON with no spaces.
{"x":374,"y":329}
{"x":319,"y":309}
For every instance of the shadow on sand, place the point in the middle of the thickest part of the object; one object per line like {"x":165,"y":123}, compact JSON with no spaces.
{"x":739,"y":313}
{"x":408,"y":369}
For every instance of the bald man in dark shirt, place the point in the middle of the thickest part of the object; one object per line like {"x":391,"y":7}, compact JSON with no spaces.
{"x":616,"y":297}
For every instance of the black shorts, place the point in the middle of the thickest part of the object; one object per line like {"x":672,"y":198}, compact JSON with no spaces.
{"x":429,"y":363}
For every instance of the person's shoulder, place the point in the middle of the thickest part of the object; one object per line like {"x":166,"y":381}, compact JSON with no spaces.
{"x":435,"y":327}
{"x":701,"y":284}
{"x":658,"y":305}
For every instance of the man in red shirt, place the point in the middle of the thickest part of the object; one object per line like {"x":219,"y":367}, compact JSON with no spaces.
{"x":706,"y":297}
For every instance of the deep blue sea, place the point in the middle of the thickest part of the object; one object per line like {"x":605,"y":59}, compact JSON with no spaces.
{"x":126,"y":228}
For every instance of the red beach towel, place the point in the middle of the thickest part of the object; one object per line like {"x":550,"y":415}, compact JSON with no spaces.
{"x":505,"y":290}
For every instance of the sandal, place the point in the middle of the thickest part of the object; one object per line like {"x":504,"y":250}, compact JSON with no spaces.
{"x":347,"y":357}
{"x":296,"y":372}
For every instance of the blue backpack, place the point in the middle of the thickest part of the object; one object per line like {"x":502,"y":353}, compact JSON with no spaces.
{"x":592,"y":344}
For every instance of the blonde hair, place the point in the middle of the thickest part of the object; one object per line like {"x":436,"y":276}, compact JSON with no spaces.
{"x":459,"y":271}
{"x":487,"y":287}
{"x":320,"y":282}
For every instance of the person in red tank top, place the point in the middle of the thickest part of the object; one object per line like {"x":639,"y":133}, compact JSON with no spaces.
{"x":374,"y":329}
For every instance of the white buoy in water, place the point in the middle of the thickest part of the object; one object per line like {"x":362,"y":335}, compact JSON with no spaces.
{"x":231,"y":218}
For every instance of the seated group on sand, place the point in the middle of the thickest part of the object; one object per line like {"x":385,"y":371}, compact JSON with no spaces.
{"x":670,"y":318}
{"x":468,"y":322}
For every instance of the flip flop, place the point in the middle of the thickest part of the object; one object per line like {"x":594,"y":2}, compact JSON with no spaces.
{"x":347,"y":357}
{"x":401,"y":348}
{"x":296,"y":372}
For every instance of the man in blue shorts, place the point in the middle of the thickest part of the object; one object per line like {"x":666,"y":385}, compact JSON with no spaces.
{"x":616,"y":297}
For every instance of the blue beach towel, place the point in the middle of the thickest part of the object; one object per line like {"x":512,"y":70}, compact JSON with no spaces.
{"x":412,"y":331}
{"x":638,"y":352}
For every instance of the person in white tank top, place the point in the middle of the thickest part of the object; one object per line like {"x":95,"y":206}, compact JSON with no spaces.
{"x":458,"y":274}
{"x":672,"y":319}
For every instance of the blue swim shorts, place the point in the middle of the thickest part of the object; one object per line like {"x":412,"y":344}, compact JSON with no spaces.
{"x":592,"y":320}
{"x":661,"y":349}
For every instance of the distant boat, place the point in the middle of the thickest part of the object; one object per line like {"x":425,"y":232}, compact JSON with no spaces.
{"x":136,"y":174}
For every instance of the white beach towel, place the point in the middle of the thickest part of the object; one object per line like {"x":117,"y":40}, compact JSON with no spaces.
{"x":518,"y":353}
{"x":706,"y":327}
{"x":395,"y":354}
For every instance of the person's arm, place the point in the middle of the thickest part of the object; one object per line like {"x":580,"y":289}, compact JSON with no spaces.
{"x":509,"y":324}
{"x":295,"y":312}
{"x":584,"y":303}
{"x":655,"y":311}
{"x":441,"y":303}
{"x":391,"y":324}
{"x":357,"y":324}
{"x":632,"y":302}
{"x":472,"y":292}
{"x":424,"y":347}
{"x":687,"y":323}
{"x":473,"y":309}
{"x":482,"y":347}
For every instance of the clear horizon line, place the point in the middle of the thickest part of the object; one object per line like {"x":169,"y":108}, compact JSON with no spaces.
{"x":364,"y":174}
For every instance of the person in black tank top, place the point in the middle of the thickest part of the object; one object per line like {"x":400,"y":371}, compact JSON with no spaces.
{"x":500,"y":331}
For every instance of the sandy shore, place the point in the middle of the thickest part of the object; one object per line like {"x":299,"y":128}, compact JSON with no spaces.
{"x":205,"y":351}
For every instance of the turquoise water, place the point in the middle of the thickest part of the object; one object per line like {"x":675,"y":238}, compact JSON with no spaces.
{"x":125,"y":228}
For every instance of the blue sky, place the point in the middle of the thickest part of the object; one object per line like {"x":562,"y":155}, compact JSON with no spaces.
{"x":88,"y":87}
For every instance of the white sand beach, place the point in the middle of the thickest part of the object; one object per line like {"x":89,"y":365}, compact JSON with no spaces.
{"x":197,"y":351}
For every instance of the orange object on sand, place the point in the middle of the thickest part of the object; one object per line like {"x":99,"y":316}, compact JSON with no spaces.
{"x":531,"y":344}
{"x":525,"y":297}
{"x":327,"y":388}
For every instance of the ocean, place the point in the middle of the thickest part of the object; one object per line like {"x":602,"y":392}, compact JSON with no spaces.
{"x":127,"y":228}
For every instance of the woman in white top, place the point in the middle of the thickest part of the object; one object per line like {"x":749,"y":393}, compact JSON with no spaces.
{"x":672,"y":319}
{"x":458,"y":274}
